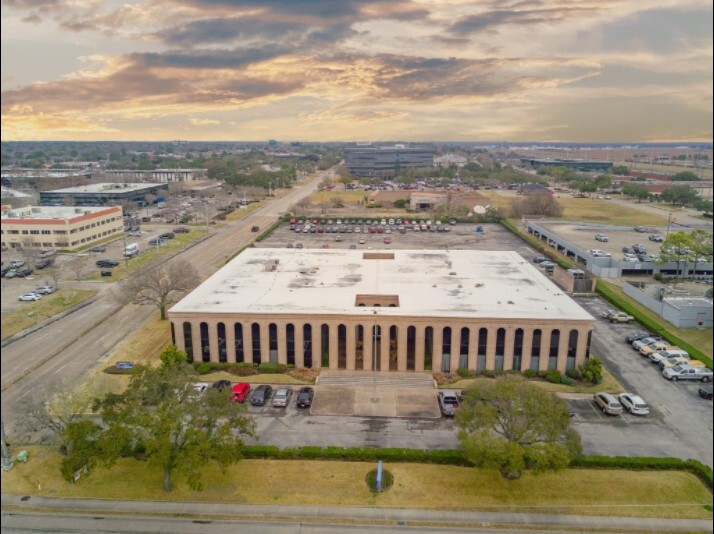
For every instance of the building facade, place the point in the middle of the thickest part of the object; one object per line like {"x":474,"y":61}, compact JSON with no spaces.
{"x":157,"y":175}
{"x":66,"y":228}
{"x":384,"y":162}
{"x":386,"y":311}
{"x":103,"y":194}
{"x":577,"y":164}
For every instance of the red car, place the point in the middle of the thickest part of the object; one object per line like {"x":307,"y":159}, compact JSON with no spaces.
{"x":240,"y":392}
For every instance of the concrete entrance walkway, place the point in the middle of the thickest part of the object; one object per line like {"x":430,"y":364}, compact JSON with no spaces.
{"x":366,"y":394}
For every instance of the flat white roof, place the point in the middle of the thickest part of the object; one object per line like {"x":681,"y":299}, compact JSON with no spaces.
{"x":459,"y":283}
{"x":107,"y":188}
{"x":50,"y":212}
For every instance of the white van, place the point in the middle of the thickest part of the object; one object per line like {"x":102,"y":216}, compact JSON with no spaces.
{"x":131,"y":250}
{"x":657,"y":357}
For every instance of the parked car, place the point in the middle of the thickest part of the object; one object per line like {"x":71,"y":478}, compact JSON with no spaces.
{"x":636,"y":336}
{"x":677,"y":360}
{"x":181,"y":230}
{"x":620,"y":317}
{"x":256,"y":229}
{"x":448,"y":402}
{"x":158,"y":241}
{"x":44,"y":263}
{"x":23,"y":273}
{"x":637,"y":345}
{"x":44,"y":290}
{"x":634,"y":404}
{"x":706,"y":392}
{"x":601,"y":237}
{"x":639,"y":248}
{"x":657,"y":346}
{"x":47,"y":253}
{"x":199,"y":388}
{"x":124,"y":365}
{"x":107,"y":263}
{"x":687,"y":372}
{"x":240,"y":392}
{"x":261,"y":395}
{"x":220,"y":385}
{"x":666,"y":354}
{"x":656,"y":238}
{"x":608,"y":403}
{"x":282,"y":397}
{"x":167,"y":235}
{"x":304,"y":397}
{"x":16,"y":264}
{"x":29,"y":297}
{"x":10,"y":273}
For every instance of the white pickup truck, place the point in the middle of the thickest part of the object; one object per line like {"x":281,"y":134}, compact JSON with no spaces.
{"x":687,"y":372}
{"x":448,"y":402}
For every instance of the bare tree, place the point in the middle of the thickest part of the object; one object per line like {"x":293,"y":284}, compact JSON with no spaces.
{"x":77,"y":266}
{"x":536,"y":204}
{"x":160,"y":285}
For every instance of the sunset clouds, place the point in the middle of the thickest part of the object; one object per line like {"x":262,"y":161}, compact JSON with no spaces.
{"x":357,"y":70}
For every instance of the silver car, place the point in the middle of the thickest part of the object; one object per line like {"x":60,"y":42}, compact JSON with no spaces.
{"x":282,"y":397}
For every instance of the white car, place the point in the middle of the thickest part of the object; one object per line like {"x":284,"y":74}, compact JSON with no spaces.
{"x":282,"y":397}
{"x":634,"y":404}
{"x":637,"y":345}
{"x":29,"y":297}
{"x":631,"y":258}
{"x":200,"y":387}
{"x":44,"y":290}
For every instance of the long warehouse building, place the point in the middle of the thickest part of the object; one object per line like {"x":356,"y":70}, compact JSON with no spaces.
{"x":401,"y":310}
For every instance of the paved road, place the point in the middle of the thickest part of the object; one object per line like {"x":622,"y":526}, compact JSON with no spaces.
{"x":65,"y":350}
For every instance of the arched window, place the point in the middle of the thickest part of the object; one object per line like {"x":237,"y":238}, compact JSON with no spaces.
{"x":290,"y":343}
{"x":222,"y":351}
{"x":188,"y":341}
{"x":173,"y":334}
{"x":238,"y":333}
{"x":273,"y":342}
{"x":482,"y":344}
{"x":359,"y":347}
{"x":464,"y":348}
{"x":307,"y":344}
{"x":553,"y":352}
{"x":428,"y":347}
{"x":325,"y":344}
{"x":205,"y":344}
{"x":518,"y":349}
{"x":255,"y":334}
{"x":500,"y":348}
{"x":572,"y":349}
{"x":446,"y":350}
{"x":535,"y":349}
{"x":411,"y":348}
{"x":341,"y":347}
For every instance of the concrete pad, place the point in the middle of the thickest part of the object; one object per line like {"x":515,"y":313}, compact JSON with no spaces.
{"x":348,"y":400}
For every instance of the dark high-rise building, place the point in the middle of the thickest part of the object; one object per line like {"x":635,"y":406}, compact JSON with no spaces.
{"x":386,"y":161}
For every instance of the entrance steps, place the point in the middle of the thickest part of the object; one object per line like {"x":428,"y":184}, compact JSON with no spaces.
{"x":367,"y":378}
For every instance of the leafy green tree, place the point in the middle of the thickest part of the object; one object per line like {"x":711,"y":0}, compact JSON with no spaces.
{"x":640,"y":192}
{"x":603,"y":181}
{"x":677,"y":247}
{"x":700,"y":243}
{"x":682,"y":195}
{"x":704,"y":205}
{"x":510,"y":424}
{"x":591,"y":370}
{"x":620,"y":170}
{"x":180,"y":429}
{"x":171,"y":355}
{"x":685,"y":176}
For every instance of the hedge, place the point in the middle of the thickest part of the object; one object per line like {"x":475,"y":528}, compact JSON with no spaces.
{"x":458,"y":457}
{"x":653,"y":325}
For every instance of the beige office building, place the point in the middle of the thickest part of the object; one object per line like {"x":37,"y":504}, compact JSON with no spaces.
{"x":401,"y":310}
{"x":59,"y":227}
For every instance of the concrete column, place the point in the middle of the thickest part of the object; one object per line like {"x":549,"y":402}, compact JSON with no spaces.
{"x":334,"y":345}
{"x":455,"y":347}
{"x":299,"y":346}
{"x":196,"y":341}
{"x":419,"y":348}
{"x":508,"y":353}
{"x":544,"y":350}
{"x":402,"y":347}
{"x":248,"y":342}
{"x":563,"y":350}
{"x":213,"y":340}
{"x":582,"y":345}
{"x":368,"y":336}
{"x":491,"y":349}
{"x":316,"y":346}
{"x":438,"y":347}
{"x":282,"y":342}
{"x":527,"y":344}
{"x":178,"y":330}
{"x":384,"y":349}
{"x":473,"y":347}
{"x":264,"y":342}
{"x":351,"y":346}
{"x":230,"y":342}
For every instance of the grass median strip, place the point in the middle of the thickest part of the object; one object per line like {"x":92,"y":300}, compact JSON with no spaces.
{"x":33,"y":313}
{"x":670,"y":494}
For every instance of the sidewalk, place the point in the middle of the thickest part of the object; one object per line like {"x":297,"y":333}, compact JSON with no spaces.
{"x":356,"y":514}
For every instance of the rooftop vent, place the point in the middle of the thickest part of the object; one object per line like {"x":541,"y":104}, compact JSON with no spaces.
{"x":378,"y":256}
{"x":389,"y":301}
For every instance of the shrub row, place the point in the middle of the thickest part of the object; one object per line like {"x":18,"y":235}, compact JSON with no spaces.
{"x":536,"y":244}
{"x":702,"y":471}
{"x":358,"y":454}
{"x":240,"y":369}
{"x":653,"y":325}
{"x":458,"y":457}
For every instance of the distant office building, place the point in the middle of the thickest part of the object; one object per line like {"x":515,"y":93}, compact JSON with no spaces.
{"x":447,"y":160}
{"x":100,"y":194}
{"x":577,"y":164}
{"x":157,"y":175}
{"x":65,"y":228}
{"x":386,"y":161}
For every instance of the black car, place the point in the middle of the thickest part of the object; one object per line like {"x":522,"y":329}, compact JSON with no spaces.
{"x":636,"y":336}
{"x":539,"y":259}
{"x":181,"y":230}
{"x":628,"y":250}
{"x":98,"y":249}
{"x":22,"y":273}
{"x":41,"y":264}
{"x":706,"y":392}
{"x":656,"y":238}
{"x":261,"y":395}
{"x":167,"y":235}
{"x":304,"y":397}
{"x":255,"y":229}
{"x":107,"y":263}
{"x":220,"y":385}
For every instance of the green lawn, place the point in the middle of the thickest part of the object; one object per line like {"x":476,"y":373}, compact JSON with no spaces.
{"x":31,"y":313}
{"x":573,"y":491}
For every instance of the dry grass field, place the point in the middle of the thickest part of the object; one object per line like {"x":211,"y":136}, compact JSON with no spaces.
{"x":32,"y":313}
{"x":294,"y":482}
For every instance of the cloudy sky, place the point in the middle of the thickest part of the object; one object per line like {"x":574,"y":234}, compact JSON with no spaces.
{"x":366,"y":70}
